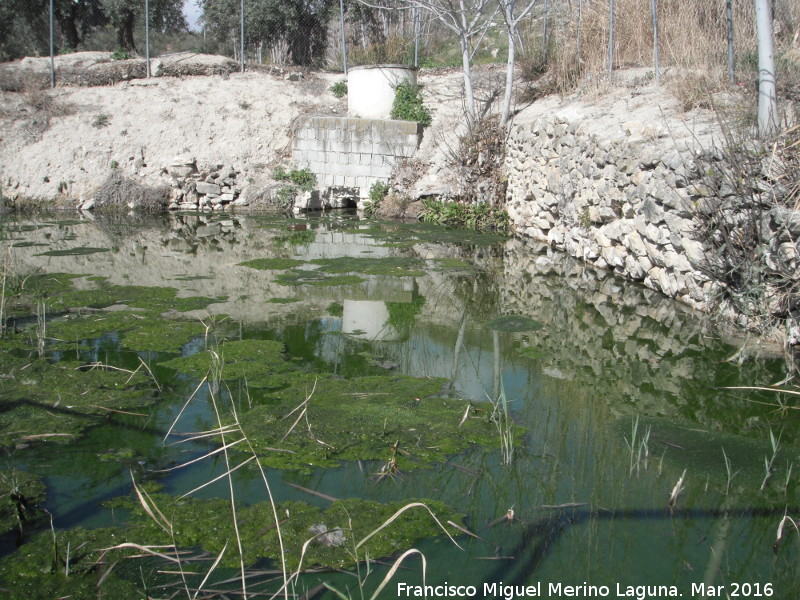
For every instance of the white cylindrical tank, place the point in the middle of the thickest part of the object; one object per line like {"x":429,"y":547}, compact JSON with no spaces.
{"x":370,"y":89}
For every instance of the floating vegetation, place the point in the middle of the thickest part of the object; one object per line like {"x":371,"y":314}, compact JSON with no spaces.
{"x":191,"y":277}
{"x":157,"y":299}
{"x":28,"y":244}
{"x":77,"y":251}
{"x":320,"y":420}
{"x":283,"y":300}
{"x":40,"y":400}
{"x":20,"y":492}
{"x":532,"y":352}
{"x":294,"y":239}
{"x":64,"y":564}
{"x":206,"y":523}
{"x":261,"y":362}
{"x":162,"y":335}
{"x":316,"y":277}
{"x":398,"y":266}
{"x":272,"y":264}
{"x":514,"y":323}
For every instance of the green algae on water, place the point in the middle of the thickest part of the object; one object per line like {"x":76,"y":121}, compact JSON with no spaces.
{"x":77,"y":251}
{"x":261,"y":362}
{"x":399,"y":266}
{"x":53,"y":402}
{"x":20,"y":492}
{"x":207,"y":523}
{"x":149,"y":298}
{"x":272,"y":264}
{"x":64,"y":564}
{"x":380,"y":418}
{"x":514,"y":323}
{"x":302,"y":277}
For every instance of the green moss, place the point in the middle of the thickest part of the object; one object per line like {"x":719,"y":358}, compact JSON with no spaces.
{"x":532,"y":352}
{"x":513,"y":323}
{"x":149,"y":298}
{"x":299,"y":277}
{"x":283,"y":300}
{"x":208,"y":524}
{"x":19,"y":491}
{"x":400,"y":266}
{"x":260,"y":362}
{"x":160,"y":335}
{"x":39,"y":568}
{"x":335,"y":309}
{"x":40,"y":400}
{"x":363,"y":418}
{"x":76,"y":328}
{"x":271,"y":264}
{"x":77,"y":251}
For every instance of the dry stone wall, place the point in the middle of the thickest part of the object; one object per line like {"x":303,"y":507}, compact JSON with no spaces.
{"x":650,"y":207}
{"x":622,"y":204}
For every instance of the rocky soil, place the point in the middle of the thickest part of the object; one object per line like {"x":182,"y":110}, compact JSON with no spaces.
{"x":202,"y":118}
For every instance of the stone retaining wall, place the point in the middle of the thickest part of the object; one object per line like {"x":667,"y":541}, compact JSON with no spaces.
{"x":618,"y":203}
{"x":634,"y":203}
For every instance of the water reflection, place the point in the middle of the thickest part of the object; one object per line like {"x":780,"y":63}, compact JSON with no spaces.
{"x":603,"y":352}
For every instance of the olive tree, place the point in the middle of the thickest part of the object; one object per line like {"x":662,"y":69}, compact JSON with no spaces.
{"x":300,"y":24}
{"x":124,"y":15}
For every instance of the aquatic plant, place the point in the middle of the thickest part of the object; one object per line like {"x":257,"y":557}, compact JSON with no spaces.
{"x":775,"y":443}
{"x":505,"y":426}
{"x":479,"y":215}
{"x":639,"y":448}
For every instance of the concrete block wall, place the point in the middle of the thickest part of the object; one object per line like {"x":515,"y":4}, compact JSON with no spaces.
{"x":353,"y":153}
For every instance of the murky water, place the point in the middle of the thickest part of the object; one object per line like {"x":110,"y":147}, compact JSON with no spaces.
{"x":582,"y":358}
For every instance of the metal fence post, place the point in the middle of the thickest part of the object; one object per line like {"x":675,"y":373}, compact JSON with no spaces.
{"x":52,"y":49}
{"x":611,"y":36}
{"x":729,"y":19}
{"x":344,"y":43}
{"x":147,"y":33}
{"x":416,"y":37}
{"x":655,"y":41}
{"x":242,"y":35}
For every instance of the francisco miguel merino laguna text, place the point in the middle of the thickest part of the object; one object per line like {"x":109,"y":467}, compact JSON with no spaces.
{"x":553,"y":590}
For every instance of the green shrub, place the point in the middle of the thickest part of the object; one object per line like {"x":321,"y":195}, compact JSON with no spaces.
{"x":408,"y":104}
{"x":119,"y":54}
{"x":378,"y":191}
{"x":479,"y":215}
{"x":304,"y":179}
{"x":339,"y":89}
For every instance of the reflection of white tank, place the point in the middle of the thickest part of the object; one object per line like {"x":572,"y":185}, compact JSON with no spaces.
{"x":370,"y":89}
{"x":368,"y":320}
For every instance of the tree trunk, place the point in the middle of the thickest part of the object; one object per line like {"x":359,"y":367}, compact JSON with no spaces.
{"x":509,"y":92}
{"x":469,"y":94}
{"x":125,"y":31}
{"x":767,"y":94}
{"x":66,"y":21}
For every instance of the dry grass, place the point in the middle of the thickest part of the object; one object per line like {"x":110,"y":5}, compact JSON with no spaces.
{"x":692,"y":40}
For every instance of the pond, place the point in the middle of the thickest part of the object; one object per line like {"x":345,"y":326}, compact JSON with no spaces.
{"x":544,"y":429}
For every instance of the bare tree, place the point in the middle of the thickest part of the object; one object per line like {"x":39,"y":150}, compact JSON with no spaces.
{"x":767,"y":94}
{"x":469,"y":20}
{"x":507,"y":8}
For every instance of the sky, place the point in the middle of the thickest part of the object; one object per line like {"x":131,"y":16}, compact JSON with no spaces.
{"x":192,"y":12}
